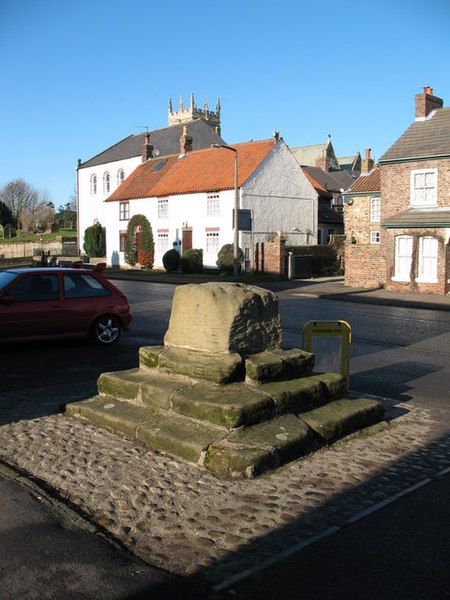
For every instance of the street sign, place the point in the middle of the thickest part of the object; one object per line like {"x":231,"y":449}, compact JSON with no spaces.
{"x":330,"y":342}
{"x":244,"y":219}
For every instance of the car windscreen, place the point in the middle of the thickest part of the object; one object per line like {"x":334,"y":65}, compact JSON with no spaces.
{"x":5,"y":278}
{"x":83,"y":285}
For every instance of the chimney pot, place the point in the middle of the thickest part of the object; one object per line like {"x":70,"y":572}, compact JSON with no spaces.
{"x":368,"y":153}
{"x":428,"y":90}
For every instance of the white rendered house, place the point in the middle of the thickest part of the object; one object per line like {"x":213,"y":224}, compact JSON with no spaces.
{"x":189,"y":197}
{"x":101,"y":175}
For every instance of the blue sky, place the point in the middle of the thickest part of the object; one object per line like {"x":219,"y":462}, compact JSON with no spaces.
{"x":79,"y":76}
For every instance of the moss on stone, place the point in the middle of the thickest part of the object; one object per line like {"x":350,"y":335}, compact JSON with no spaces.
{"x":218,"y":368}
{"x":235,"y":462}
{"x":341,"y":417}
{"x":149,"y":356}
{"x":230,"y":405}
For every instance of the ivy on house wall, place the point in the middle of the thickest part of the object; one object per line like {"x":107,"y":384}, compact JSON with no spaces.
{"x":139,"y":244}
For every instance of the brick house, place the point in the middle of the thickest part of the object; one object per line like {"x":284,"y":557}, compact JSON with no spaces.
{"x":411,"y":251}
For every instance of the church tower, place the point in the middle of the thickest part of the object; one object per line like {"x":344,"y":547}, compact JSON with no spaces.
{"x":186,"y":114}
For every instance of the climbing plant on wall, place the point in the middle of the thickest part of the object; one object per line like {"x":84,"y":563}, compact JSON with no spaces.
{"x":139,"y":244}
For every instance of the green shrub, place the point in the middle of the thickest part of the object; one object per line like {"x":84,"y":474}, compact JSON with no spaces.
{"x":192,"y":261}
{"x":145,"y":253}
{"x":225,"y":258}
{"x":94,"y":240}
{"x":171,"y":260}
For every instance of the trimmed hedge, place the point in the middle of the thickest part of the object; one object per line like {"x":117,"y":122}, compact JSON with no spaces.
{"x":171,"y":260}
{"x":192,"y":261}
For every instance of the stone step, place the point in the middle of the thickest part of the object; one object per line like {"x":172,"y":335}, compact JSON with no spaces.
{"x":163,"y":431}
{"x":248,"y":452}
{"x":232,"y":405}
{"x":342,"y":417}
{"x":299,"y":395}
{"x":223,"y":368}
{"x":273,"y":365}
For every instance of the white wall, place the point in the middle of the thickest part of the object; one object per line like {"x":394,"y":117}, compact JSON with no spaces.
{"x":186,"y":209}
{"x":281,"y":199}
{"x":92,"y":207}
{"x":278,"y":193}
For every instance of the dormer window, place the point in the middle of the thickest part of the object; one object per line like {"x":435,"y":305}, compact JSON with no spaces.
{"x":106,"y":183}
{"x":93,"y":184}
{"x":424,"y":187}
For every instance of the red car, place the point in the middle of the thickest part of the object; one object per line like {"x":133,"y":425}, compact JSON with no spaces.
{"x":53,"y":302}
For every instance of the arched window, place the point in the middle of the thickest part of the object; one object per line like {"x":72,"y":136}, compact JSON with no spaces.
{"x":120,"y":176}
{"x":106,"y":183}
{"x":93,"y":184}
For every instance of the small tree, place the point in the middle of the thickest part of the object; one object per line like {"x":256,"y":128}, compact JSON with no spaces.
{"x":6,"y":215}
{"x":94,"y":241}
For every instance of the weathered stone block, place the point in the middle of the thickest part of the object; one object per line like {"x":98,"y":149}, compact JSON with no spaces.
{"x":342,"y":417}
{"x":224,"y":318}
{"x":149,"y":356}
{"x":236,"y":462}
{"x":158,"y":388}
{"x":295,"y":395}
{"x":121,"y":384}
{"x":178,"y":436}
{"x":110,"y":413}
{"x":287,"y":435}
{"x":202,"y":365}
{"x":274,"y":365}
{"x":230,"y":405}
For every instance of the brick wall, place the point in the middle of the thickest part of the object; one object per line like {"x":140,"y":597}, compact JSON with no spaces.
{"x":270,"y":258}
{"x":395,"y":190}
{"x":365,"y":265}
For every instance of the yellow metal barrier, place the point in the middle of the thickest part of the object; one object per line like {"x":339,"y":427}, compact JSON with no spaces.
{"x":333,"y":330}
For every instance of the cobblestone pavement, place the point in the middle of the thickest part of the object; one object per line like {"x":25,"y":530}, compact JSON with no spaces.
{"x":185,"y":520}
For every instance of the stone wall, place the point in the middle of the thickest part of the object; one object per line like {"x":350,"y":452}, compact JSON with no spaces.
{"x":21,"y":250}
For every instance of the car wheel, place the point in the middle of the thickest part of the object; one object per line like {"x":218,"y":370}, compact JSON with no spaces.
{"x":106,"y":330}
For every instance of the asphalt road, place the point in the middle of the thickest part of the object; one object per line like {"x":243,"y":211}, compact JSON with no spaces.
{"x":43,"y":554}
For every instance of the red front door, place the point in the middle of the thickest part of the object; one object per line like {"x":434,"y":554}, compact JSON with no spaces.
{"x":187,"y":238}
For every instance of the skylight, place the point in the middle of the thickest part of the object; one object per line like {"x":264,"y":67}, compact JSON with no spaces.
{"x":159,"y":165}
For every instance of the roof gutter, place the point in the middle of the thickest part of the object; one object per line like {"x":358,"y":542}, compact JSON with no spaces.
{"x":413,"y":159}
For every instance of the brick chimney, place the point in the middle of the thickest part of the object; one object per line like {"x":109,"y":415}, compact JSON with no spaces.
{"x":367,"y":162}
{"x":426,"y":103}
{"x":147,"y":149}
{"x":185,"y":141}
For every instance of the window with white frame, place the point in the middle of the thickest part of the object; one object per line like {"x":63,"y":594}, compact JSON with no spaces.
{"x":163,"y":208}
{"x":403,"y":257}
{"x":122,"y":239}
{"x":93,"y":184}
{"x":374,"y":237}
{"x":106,"y":183}
{"x":212,"y":242}
{"x":124,"y":211}
{"x":163,"y":242}
{"x":375,"y":210}
{"x":424,"y":187}
{"x":212,"y":205}
{"x":428,"y":259}
{"x":120,"y":176}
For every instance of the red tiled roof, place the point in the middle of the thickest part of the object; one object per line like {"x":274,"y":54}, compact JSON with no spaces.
{"x":367,"y":183}
{"x":210,"y":169}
